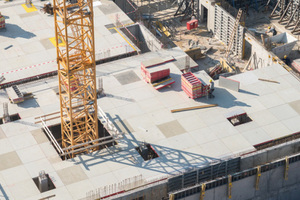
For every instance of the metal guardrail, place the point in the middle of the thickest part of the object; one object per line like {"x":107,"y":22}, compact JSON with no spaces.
{"x":52,"y":138}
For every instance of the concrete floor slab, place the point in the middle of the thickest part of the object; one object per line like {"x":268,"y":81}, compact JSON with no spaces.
{"x":283,"y":112}
{"x":276,"y":130}
{"x":2,"y":134}
{"x":14,"y":128}
{"x":9,"y":160}
{"x":15,"y":174}
{"x":5,"y":146}
{"x":172,"y":128}
{"x":49,"y":150}
{"x":237,"y":143}
{"x":203,"y":135}
{"x":223,"y":129}
{"x":289,"y":94}
{"x":22,"y":141}
{"x":39,"y":136}
{"x":150,"y":105}
{"x":215,"y":149}
{"x":292,"y":124}
{"x":30,"y":154}
{"x":35,"y":167}
{"x":76,"y":188}
{"x":103,"y":180}
{"x":192,"y":122}
{"x":71,"y":175}
{"x":263,"y":117}
{"x":24,"y":189}
{"x":271,"y":100}
{"x":256,"y":136}
{"x":295,"y":105}
{"x":141,"y":93}
{"x":182,"y":141}
{"x":161,"y":116}
{"x":127,"y":77}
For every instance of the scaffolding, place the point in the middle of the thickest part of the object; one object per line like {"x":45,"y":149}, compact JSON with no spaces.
{"x":77,"y":75}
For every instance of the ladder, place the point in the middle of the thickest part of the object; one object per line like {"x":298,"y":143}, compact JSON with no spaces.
{"x":236,"y":24}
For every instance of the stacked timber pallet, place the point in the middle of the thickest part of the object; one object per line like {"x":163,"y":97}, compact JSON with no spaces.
{"x":192,"y":86}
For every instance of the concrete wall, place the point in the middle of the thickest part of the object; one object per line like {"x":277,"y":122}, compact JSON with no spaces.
{"x":262,"y":56}
{"x":270,"y":154}
{"x":127,"y":8}
{"x":272,"y":186}
{"x":159,"y":191}
{"x":152,"y":42}
{"x":210,"y":6}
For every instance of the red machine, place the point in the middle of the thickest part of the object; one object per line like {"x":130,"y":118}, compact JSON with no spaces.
{"x":192,"y":24}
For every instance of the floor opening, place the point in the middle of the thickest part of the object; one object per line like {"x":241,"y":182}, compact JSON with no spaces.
{"x":147,"y":151}
{"x":12,"y":118}
{"x":56,"y":132}
{"x":239,"y":119}
{"x":43,"y":182}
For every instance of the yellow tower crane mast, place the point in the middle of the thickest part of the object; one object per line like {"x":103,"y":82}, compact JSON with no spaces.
{"x":74,"y":34}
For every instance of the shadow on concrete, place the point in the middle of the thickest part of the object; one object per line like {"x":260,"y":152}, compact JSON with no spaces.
{"x":224,"y":99}
{"x":14,"y":31}
{"x":119,"y":97}
{"x":29,"y":103}
{"x":170,"y":161}
{"x":247,"y":92}
{"x":3,"y":193}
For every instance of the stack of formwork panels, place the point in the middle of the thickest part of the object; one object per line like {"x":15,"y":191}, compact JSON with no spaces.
{"x":155,"y":73}
{"x":155,"y":69}
{"x":191,"y":85}
{"x":204,"y":78}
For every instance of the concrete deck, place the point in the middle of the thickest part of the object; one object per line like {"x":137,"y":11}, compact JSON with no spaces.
{"x":182,"y":140}
{"x":26,"y":49}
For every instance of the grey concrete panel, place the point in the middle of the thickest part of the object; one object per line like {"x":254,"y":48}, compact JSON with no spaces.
{"x":39,"y":136}
{"x":127,"y":77}
{"x":2,"y":135}
{"x":9,"y":160}
{"x":238,"y":193}
{"x":280,"y":152}
{"x":246,"y":163}
{"x":295,"y":105}
{"x":229,"y":83}
{"x":71,"y":175}
{"x":260,"y":159}
{"x":47,"y":44}
{"x":24,"y":15}
{"x":172,"y":128}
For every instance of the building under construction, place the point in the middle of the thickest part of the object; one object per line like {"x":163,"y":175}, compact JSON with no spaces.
{"x":150,"y":99}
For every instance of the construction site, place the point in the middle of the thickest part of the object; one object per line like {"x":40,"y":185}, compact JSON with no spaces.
{"x":149,"y":99}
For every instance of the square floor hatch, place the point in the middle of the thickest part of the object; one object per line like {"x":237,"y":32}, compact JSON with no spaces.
{"x":146,"y":151}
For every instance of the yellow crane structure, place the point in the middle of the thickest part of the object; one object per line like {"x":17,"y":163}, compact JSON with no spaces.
{"x":74,"y":28}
